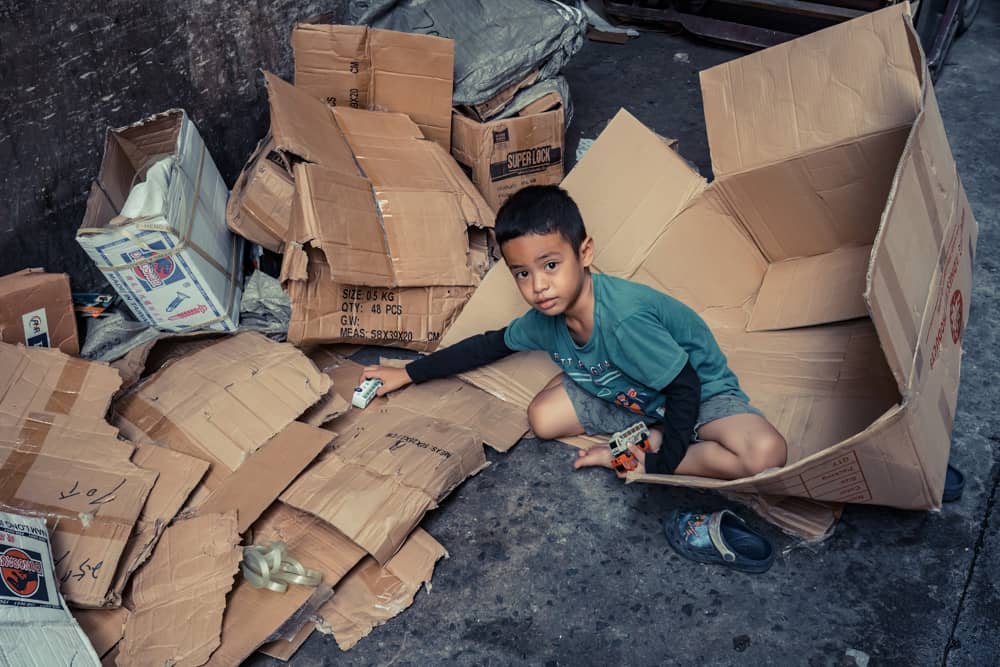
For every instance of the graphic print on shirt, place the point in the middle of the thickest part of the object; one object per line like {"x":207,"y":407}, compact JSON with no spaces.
{"x":600,"y":378}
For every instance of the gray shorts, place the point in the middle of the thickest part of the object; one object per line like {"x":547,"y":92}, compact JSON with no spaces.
{"x":598,"y":416}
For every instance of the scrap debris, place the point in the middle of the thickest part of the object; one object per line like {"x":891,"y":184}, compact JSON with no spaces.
{"x":375,"y":189}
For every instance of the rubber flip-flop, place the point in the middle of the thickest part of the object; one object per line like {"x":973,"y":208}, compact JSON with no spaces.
{"x":954,"y":484}
{"x":720,"y":538}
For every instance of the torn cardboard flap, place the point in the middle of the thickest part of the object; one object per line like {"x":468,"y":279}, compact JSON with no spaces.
{"x":103,"y":627}
{"x":84,"y":484}
{"x":262,"y":478}
{"x":372,"y":594}
{"x":256,"y":616}
{"x":41,"y":380}
{"x":385,"y":475}
{"x":260,"y":204}
{"x":177,"y":476}
{"x":382,"y":70}
{"x":223,"y":402}
{"x":500,"y":423}
{"x":284,"y":649}
{"x":866,"y":405}
{"x":36,"y":309}
{"x":179,"y":596}
{"x":373,"y":194}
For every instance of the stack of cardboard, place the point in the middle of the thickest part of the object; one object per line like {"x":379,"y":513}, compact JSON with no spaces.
{"x":384,"y":238}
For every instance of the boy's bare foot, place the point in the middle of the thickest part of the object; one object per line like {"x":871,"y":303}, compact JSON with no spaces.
{"x":598,"y":455}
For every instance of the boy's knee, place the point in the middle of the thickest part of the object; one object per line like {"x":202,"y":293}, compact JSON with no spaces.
{"x":543,"y":423}
{"x":768,"y":450}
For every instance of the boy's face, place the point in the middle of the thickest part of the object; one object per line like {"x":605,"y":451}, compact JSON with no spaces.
{"x":546,"y":269}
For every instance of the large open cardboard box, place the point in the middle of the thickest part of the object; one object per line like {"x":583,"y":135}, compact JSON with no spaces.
{"x":832,"y":258}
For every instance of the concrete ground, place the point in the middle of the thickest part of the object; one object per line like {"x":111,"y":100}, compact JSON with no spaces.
{"x":553,"y":567}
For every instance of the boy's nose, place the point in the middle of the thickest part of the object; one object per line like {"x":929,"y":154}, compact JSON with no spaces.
{"x":540,"y":284}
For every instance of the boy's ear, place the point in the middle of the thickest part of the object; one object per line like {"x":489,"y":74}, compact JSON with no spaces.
{"x":587,"y":252}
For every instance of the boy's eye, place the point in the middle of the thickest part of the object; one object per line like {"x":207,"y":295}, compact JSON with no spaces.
{"x":551,"y":265}
{"x":521,"y":275}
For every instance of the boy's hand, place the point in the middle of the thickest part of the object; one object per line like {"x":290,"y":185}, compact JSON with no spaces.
{"x":392,"y":378}
{"x":640,"y":456}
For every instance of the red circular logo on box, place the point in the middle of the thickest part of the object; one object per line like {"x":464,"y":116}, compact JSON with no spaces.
{"x":955,"y":316}
{"x":20,"y":572}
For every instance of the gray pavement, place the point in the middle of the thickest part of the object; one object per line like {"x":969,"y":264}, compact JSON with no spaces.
{"x":553,"y":567}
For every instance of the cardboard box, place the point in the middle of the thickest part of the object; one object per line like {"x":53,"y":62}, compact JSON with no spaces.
{"x":376,"y":206}
{"x":503,"y":156}
{"x":260,"y":204}
{"x":60,"y":460}
{"x":385,"y":474}
{"x":176,"y":266}
{"x":379,"y":70}
{"x":838,"y":275}
{"x":226,"y":404}
{"x":36,"y":308}
{"x":36,"y":628}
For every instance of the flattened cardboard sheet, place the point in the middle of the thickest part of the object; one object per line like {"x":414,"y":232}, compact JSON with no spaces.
{"x":256,"y":616}
{"x":222,"y":403}
{"x":372,"y":594}
{"x":177,"y":476}
{"x":103,"y":627}
{"x":382,"y":478}
{"x":179,"y":596}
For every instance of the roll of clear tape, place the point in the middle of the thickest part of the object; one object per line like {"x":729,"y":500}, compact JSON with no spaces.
{"x":272,"y":568}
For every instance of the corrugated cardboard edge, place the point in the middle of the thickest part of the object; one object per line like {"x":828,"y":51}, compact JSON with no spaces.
{"x":179,"y":597}
{"x":372,"y":594}
{"x":256,"y":616}
{"x":177,"y":476}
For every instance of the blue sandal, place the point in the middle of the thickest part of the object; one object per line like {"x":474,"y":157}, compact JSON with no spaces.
{"x":954,"y":484}
{"x":720,"y":538}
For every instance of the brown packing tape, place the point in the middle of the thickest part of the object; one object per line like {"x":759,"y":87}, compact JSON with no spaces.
{"x":926,"y":188}
{"x":30,"y":440}
{"x":68,"y":387}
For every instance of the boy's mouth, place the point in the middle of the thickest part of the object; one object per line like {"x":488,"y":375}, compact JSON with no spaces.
{"x":546,"y":304}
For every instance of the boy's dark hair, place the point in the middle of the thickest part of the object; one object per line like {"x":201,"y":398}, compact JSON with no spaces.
{"x":540,"y":209}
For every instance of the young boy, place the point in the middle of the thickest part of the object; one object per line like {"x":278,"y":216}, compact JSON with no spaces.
{"x":628,"y":353}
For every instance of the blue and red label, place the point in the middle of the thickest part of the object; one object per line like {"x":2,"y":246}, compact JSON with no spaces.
{"x":156,"y":273}
{"x":23,"y":575}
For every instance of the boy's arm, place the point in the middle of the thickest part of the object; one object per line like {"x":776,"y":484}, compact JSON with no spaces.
{"x":683,"y":400}
{"x":473,"y":352}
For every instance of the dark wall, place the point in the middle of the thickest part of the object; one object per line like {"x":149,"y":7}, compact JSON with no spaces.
{"x":68,"y":71}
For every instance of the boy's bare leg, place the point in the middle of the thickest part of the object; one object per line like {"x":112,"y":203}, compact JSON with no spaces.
{"x":552,"y":416}
{"x":733,"y":447}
